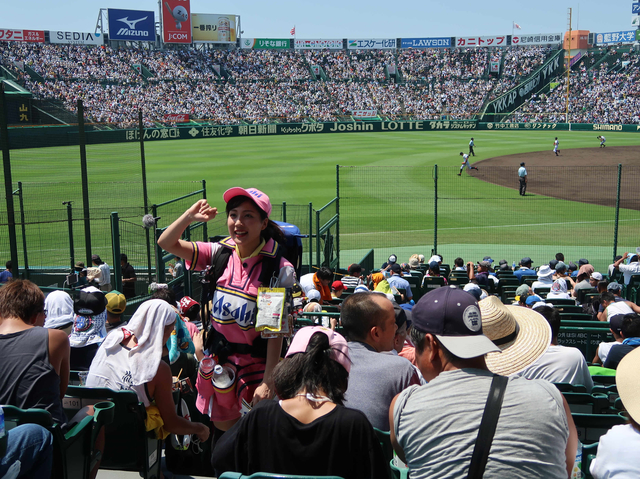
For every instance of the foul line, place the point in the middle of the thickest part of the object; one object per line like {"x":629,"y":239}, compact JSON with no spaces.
{"x":491,"y":226}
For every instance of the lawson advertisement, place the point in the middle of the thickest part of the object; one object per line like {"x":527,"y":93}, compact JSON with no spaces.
{"x":135,"y":25}
{"x":436,"y":42}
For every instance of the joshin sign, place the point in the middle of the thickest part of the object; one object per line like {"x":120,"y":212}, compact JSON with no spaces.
{"x":176,"y":21}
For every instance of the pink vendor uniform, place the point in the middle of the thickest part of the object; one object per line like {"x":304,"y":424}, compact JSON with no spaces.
{"x":233,"y":310}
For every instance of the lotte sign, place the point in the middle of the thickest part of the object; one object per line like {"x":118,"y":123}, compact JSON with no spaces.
{"x":176,"y":21}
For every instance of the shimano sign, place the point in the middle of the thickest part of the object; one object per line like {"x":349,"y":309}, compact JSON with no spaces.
{"x":131,"y":25}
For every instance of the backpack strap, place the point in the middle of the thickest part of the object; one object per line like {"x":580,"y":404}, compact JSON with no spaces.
{"x":487,"y":427}
{"x":209,"y":280}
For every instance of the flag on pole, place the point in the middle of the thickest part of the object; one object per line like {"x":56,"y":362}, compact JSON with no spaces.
{"x":293,"y":30}
{"x":515,"y":25}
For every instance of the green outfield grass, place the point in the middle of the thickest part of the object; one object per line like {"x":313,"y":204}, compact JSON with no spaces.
{"x":383,"y":212}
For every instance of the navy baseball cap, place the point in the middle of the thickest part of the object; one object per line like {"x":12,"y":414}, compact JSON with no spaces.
{"x":453,"y":316}
{"x":526,"y":260}
{"x":615,"y":323}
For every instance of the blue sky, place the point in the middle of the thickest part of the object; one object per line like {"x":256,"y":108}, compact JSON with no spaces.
{"x":355,"y":19}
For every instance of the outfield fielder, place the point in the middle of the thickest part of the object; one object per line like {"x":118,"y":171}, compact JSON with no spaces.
{"x":471,"y":152}
{"x":465,"y":162}
{"x":522,"y":176}
{"x":602,"y":140}
{"x":555,"y":146}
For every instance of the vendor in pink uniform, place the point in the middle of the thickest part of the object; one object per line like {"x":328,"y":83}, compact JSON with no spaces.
{"x":253,"y":239}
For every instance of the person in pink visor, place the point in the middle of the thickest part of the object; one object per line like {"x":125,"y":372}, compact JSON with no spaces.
{"x":254,"y":240}
{"x":309,"y":431}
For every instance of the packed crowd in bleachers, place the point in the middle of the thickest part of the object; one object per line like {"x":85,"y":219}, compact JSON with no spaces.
{"x":258,"y":86}
{"x":368,"y":352}
{"x":603,"y":97}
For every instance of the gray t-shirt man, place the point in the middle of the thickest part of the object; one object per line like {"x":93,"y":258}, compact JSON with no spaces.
{"x":437,"y":425}
{"x":374,"y":381}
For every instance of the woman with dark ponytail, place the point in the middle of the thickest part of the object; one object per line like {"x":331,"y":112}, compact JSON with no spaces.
{"x":307,"y":432}
{"x":253,"y":238}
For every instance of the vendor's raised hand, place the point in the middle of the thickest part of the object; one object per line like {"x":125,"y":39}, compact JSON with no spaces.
{"x":201,"y":211}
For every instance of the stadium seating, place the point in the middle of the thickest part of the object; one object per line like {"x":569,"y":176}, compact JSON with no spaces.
{"x":128,"y":446}
{"x":591,"y":426}
{"x":74,"y":455}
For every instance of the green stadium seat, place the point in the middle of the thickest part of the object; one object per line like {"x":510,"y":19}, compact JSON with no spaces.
{"x":568,"y":308}
{"x":587,"y":403}
{"x":559,"y":301}
{"x":445,"y":270}
{"x":570,"y":388}
{"x":582,"y":294}
{"x":269,"y":475}
{"x":459,"y":281}
{"x":576,"y":317}
{"x":387,"y":450}
{"x":592,"y":426}
{"x":74,"y":455}
{"x":529,"y":279}
{"x":430,"y":283}
{"x":398,"y":472}
{"x":542,"y":291}
{"x":589,"y":452}
{"x":128,"y":446}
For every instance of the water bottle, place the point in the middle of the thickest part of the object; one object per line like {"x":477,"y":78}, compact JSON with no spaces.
{"x":514,"y":265}
{"x":576,"y":473}
{"x":207,"y":365}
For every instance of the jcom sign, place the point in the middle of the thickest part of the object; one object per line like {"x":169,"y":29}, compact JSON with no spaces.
{"x":176,"y":21}
{"x":131,"y":25}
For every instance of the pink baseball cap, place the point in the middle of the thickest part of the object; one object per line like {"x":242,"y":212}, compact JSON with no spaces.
{"x":340,"y":349}
{"x":260,"y":198}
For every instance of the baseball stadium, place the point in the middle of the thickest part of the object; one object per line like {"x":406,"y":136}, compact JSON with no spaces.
{"x":505,"y":152}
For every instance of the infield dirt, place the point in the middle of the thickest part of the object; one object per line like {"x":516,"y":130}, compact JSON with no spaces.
{"x":570,"y":175}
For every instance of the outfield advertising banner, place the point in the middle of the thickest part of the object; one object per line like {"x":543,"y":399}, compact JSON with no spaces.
{"x":135,"y":25}
{"x":436,"y":42}
{"x":211,"y":28}
{"x":177,"y":117}
{"x":364,"y":114}
{"x":265,"y":43}
{"x":495,"y":41}
{"x":318,"y":44}
{"x":31,"y":36}
{"x":521,"y":93}
{"x":628,"y":36}
{"x":635,"y":8}
{"x":537,"y":39}
{"x":371,"y":43}
{"x":76,"y":38}
{"x":176,"y":21}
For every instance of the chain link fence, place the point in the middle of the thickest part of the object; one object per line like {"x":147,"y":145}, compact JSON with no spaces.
{"x":407,"y":210}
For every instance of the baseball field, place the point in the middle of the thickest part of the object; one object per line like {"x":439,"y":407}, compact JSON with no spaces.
{"x":387,"y":198}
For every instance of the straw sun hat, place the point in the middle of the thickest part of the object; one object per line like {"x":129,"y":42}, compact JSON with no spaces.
{"x":628,"y":384}
{"x":521,"y":333}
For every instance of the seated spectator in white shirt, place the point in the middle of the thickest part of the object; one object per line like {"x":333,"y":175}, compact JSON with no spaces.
{"x":615,"y":326}
{"x":559,"y":364}
{"x":632,"y":267}
{"x":545,"y":278}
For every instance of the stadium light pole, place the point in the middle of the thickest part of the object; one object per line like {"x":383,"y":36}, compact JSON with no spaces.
{"x":568,"y":69}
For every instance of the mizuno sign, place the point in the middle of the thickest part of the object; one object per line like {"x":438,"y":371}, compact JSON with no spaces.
{"x":131,"y":25}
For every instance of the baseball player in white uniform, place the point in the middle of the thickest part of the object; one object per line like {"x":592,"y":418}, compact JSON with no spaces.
{"x":465,"y":162}
{"x":602,"y":140}
{"x":556,"y":143}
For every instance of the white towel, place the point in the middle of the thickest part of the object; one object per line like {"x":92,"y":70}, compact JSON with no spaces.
{"x":147,"y":325}
{"x":59,"y":308}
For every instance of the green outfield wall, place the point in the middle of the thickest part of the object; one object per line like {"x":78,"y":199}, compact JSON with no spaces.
{"x":66,"y":136}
